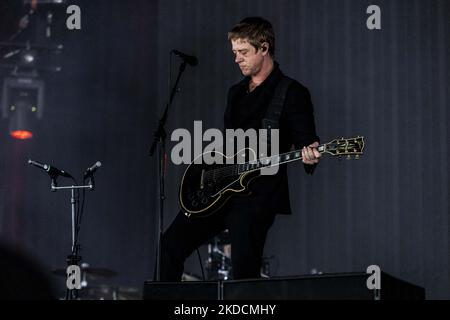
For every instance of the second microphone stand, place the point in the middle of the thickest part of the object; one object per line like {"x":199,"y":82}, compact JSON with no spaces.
{"x":160,"y":141}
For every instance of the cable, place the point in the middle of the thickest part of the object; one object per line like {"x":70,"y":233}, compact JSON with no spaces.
{"x":80,"y":211}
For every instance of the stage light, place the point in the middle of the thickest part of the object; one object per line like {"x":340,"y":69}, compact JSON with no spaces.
{"x":22,"y":104}
{"x":22,"y":134}
{"x":22,"y":120}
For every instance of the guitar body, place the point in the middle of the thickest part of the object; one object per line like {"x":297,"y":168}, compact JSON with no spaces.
{"x":205,"y":188}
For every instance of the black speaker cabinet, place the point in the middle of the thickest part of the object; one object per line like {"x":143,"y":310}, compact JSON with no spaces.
{"x":346,"y":286}
{"x":343,"y":286}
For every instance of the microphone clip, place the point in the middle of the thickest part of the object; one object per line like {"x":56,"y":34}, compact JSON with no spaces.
{"x":91,"y":181}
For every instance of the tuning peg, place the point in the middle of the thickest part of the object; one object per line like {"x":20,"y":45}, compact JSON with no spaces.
{"x":349,"y":157}
{"x":357,"y":157}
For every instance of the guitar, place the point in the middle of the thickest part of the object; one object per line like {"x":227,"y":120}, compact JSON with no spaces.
{"x":205,"y":188}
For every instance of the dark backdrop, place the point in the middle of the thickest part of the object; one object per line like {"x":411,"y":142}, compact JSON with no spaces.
{"x":390,"y":208}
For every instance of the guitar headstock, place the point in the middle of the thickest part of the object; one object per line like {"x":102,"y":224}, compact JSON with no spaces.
{"x":345,"y":147}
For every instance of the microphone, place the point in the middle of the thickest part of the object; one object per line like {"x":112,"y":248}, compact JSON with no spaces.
{"x":52,"y":171}
{"x":92,"y":169}
{"x":191,"y":60}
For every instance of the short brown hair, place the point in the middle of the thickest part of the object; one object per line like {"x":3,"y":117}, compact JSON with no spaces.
{"x":256,"y":30}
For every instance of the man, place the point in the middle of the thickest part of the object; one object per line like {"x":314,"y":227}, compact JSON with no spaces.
{"x":248,"y":219}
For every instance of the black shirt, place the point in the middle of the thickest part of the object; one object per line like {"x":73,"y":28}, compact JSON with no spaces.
{"x":246,"y":110}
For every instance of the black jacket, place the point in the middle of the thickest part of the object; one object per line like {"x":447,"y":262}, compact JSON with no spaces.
{"x":297,"y":128}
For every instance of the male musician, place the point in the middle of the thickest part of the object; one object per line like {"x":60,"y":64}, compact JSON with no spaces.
{"x":248,"y":219}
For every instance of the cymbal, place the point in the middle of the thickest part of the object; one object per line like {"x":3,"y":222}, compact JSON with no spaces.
{"x":91,"y":272}
{"x":190,"y":277}
{"x":109,"y":292}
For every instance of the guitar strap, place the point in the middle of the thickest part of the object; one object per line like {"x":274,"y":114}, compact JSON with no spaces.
{"x":271,"y":119}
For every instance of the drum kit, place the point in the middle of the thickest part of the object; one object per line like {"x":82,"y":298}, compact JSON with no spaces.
{"x":218,"y":267}
{"x":92,"y":287}
{"x":218,"y":264}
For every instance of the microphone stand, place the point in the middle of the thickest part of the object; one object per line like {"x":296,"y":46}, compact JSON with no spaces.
{"x":160,"y":141}
{"x":73,"y":258}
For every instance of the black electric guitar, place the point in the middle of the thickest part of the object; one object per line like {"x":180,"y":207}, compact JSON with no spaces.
{"x":205,"y":187}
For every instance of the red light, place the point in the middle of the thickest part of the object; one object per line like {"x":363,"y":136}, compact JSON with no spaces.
{"x":22,"y":134}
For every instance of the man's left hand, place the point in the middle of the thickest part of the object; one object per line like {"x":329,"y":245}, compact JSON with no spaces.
{"x":310,"y":155}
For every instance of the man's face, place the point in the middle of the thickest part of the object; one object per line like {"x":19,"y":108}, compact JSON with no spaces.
{"x":247,"y":57}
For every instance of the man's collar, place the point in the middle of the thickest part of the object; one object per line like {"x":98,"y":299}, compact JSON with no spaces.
{"x":274,"y":74}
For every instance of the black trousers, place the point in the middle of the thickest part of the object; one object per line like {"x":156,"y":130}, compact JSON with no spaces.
{"x":247,"y":220}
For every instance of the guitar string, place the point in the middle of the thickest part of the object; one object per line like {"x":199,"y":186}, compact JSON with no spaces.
{"x":253,"y":171}
{"x":258,"y":162}
{"x":235,"y":169}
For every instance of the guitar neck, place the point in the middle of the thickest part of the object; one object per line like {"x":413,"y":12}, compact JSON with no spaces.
{"x":337,"y":147}
{"x":273,"y":160}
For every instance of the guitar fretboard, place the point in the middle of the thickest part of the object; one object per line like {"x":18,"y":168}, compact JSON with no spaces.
{"x":238,"y":169}
{"x":272,"y":161}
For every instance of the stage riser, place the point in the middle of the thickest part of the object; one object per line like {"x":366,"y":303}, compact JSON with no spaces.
{"x":318,"y":287}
